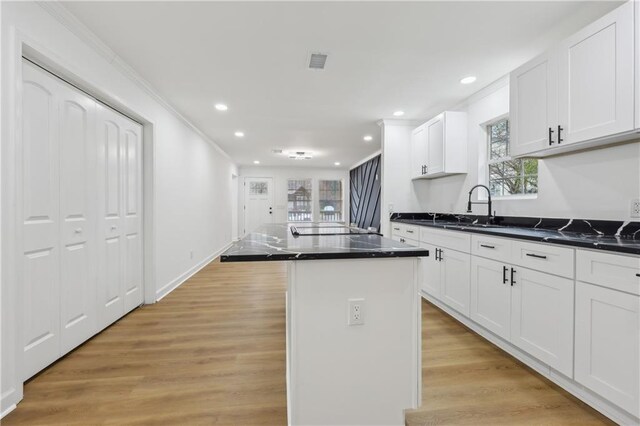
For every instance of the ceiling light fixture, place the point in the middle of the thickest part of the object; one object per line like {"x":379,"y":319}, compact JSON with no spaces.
{"x":336,"y":163}
{"x":221,"y":107}
{"x":368,"y":138}
{"x":256,"y":162}
{"x":239,"y":134}
{"x":300,"y":155}
{"x":468,"y":80}
{"x":398,"y":113}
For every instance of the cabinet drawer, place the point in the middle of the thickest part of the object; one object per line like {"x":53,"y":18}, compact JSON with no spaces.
{"x":407,"y":231}
{"x":460,"y":241}
{"x":541,"y":257}
{"x":491,"y":247}
{"x":609,"y":270}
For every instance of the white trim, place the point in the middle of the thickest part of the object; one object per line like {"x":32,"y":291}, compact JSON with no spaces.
{"x":397,"y":122}
{"x":8,"y":410}
{"x":73,"y":24}
{"x":365,"y":159}
{"x":600,"y":404}
{"x":182,"y":278}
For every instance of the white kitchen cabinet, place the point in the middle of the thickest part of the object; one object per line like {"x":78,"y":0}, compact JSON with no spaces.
{"x":418,"y":152}
{"x":442,"y":144}
{"x":579,"y":94}
{"x":533,"y":109}
{"x":431,"y":272}
{"x":596,"y":79}
{"x":542,"y":317}
{"x":455,"y":284}
{"x":607,"y":344}
{"x":531,"y":309}
{"x":491,"y":296}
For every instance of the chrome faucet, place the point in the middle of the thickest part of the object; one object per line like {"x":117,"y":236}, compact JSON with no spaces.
{"x":488,"y":202}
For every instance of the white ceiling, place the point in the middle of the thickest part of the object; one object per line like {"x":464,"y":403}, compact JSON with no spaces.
{"x":383,"y":56}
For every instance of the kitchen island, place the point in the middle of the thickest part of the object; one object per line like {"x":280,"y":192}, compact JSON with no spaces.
{"x":353,"y":321}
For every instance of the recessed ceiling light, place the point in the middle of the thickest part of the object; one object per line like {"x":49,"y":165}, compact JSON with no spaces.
{"x":239,"y":134}
{"x":398,"y":113}
{"x":368,"y":138}
{"x":221,"y":107}
{"x":468,"y":80}
{"x":336,"y":163}
{"x":256,"y":162}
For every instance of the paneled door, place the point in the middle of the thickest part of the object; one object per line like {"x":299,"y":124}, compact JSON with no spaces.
{"x":533,"y":91}
{"x":77,"y":153}
{"x":491,"y":295}
{"x":455,"y":280}
{"x":258,"y":202}
{"x":119,"y":214}
{"x":435,"y":145}
{"x":596,"y":83}
{"x":39,"y":228}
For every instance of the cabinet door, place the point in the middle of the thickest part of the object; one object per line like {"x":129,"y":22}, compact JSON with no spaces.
{"x":607,"y":344}
{"x":430,"y":272}
{"x":418,"y":152}
{"x":596,"y":83}
{"x":455,"y":280}
{"x":542,"y":317}
{"x":435,"y":144}
{"x":490,"y":295}
{"x":534,"y":105}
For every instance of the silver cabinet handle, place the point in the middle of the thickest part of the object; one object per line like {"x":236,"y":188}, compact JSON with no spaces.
{"x":78,"y":230}
{"x":113,"y":227}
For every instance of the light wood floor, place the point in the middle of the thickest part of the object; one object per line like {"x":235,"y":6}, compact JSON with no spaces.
{"x":213,"y":352}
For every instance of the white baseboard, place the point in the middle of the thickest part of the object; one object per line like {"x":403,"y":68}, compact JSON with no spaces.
{"x":610,"y":410}
{"x":8,"y":410}
{"x":177,"y":282}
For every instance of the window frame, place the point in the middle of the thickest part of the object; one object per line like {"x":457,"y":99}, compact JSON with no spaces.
{"x":342,"y":200}
{"x":488,"y":162}
{"x":312,"y":203}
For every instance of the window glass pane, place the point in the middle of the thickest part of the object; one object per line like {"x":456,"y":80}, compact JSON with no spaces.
{"x":330,"y":200}
{"x":506,"y":176}
{"x":299,"y":202}
{"x":258,"y":188}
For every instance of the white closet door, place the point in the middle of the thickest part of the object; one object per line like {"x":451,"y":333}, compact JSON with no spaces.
{"x":120,"y":214}
{"x":38,"y":209}
{"x":132,"y":168}
{"x":110,"y":223}
{"x":77,"y":153}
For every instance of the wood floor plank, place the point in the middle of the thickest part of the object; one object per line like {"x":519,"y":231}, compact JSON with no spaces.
{"x":213,"y":352}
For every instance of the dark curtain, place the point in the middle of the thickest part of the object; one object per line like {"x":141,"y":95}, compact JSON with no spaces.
{"x":365,"y":194}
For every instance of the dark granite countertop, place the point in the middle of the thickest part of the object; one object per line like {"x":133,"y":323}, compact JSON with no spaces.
{"x":276,"y":242}
{"x":609,"y":235}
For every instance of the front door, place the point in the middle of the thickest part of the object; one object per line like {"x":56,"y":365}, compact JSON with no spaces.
{"x":258,"y":202}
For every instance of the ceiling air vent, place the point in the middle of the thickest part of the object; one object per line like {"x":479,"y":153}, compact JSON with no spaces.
{"x":276,"y":151}
{"x":317,"y":61}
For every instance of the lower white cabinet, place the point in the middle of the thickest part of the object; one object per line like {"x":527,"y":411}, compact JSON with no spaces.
{"x":490,"y":296}
{"x":431,"y":272}
{"x":446,"y":276}
{"x":607,"y":344}
{"x":533,"y":310}
{"x":542,"y":317}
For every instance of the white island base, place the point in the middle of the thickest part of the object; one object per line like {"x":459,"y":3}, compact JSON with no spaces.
{"x":362,"y":374}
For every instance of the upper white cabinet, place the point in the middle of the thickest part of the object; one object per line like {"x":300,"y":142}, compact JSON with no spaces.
{"x":418,"y":152}
{"x":533,"y":104}
{"x":596,"y":79}
{"x":439,"y":147}
{"x":579,"y":94}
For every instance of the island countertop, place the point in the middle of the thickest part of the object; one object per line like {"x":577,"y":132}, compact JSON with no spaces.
{"x":276,"y":242}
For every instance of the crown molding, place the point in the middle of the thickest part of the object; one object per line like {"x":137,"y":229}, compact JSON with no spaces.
{"x":80,"y":30}
{"x":365,"y":159}
{"x":399,"y":122}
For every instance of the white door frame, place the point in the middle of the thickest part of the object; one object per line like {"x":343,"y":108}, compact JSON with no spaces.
{"x":21,"y":44}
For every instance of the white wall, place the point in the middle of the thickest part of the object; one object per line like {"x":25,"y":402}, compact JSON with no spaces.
{"x":597,"y":184}
{"x":280,"y":176}
{"x":397,"y":193}
{"x":192,"y":186}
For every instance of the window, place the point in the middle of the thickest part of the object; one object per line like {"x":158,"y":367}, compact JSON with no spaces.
{"x":258,"y":188}
{"x":330,"y":200}
{"x":508,"y":176}
{"x":299,"y":203}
